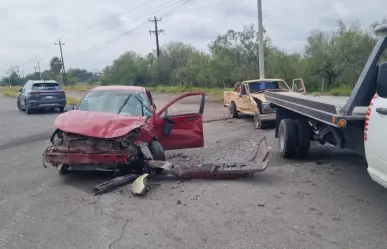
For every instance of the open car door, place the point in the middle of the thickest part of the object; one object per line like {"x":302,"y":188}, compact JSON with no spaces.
{"x":181,"y":127}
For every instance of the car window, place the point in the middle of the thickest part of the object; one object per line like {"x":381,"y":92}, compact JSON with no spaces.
{"x":114,"y":102}
{"x":262,"y":86}
{"x":46,"y":86}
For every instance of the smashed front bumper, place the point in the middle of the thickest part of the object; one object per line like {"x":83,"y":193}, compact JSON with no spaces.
{"x":56,"y":156}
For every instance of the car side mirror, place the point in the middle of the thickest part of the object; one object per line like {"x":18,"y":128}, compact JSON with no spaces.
{"x":381,"y":85}
{"x":68,"y":108}
{"x":20,"y":90}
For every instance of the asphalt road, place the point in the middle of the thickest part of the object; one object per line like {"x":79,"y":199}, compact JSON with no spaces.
{"x":294,"y":204}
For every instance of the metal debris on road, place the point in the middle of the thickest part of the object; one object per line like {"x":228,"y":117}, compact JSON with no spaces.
{"x":258,"y":163}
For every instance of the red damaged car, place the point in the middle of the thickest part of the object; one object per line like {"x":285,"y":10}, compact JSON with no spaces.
{"x":117,"y":128}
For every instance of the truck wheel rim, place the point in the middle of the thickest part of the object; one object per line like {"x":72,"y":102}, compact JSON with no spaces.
{"x":281,"y":139}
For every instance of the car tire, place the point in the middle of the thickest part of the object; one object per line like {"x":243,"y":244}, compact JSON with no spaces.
{"x":258,"y":124}
{"x":62,"y":170}
{"x":233,"y":110}
{"x":26,"y":109}
{"x":287,"y":138}
{"x":158,"y":153}
{"x":61,"y":109}
{"x":19,"y":106}
{"x":303,"y":132}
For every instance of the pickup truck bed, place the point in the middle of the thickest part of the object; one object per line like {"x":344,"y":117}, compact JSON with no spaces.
{"x":322,"y":108}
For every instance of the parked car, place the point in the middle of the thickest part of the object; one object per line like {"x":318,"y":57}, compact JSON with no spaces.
{"x":115,"y":128}
{"x":41,"y":95}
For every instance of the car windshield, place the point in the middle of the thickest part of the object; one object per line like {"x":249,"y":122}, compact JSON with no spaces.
{"x":120,"y":102}
{"x":262,"y":86}
{"x":46,"y":86}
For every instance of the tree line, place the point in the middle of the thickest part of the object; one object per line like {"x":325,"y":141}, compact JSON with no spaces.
{"x":72,"y":76}
{"x":334,"y":58}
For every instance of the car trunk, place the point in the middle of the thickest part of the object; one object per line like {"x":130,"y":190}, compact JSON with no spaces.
{"x":47,"y":92}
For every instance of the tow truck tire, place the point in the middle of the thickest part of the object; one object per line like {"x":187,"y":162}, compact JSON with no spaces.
{"x":158,"y":153}
{"x":287,"y":137}
{"x":233,"y":110}
{"x":303,"y":137}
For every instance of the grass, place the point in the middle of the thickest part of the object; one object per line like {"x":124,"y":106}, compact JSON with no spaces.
{"x":215,"y":94}
{"x":338,"y":91}
{"x":80,"y":87}
{"x":13,"y":92}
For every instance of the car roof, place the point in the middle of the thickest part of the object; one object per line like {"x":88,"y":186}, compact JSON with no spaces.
{"x":43,"y":81}
{"x":120,"y":88}
{"x":259,"y":80}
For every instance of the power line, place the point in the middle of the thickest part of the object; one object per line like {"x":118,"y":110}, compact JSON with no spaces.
{"x":115,"y":17}
{"x":184,"y":3}
{"x":142,"y":15}
{"x":60,"y":44}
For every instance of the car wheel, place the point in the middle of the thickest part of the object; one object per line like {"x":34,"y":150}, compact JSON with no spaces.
{"x":26,"y":109}
{"x":233,"y":110}
{"x":61,"y":109}
{"x":62,"y":169}
{"x":18,"y":105}
{"x":158,"y":152}
{"x":258,"y":122}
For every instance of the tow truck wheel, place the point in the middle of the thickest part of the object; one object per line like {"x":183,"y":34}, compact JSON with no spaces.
{"x":287,"y":139}
{"x":233,"y":110}
{"x":158,"y":153}
{"x":303,"y":137}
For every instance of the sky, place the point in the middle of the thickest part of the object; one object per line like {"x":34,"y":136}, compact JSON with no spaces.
{"x":96,"y":32}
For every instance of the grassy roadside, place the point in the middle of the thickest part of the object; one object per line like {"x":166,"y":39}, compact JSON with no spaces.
{"x":13,"y":93}
{"x":214,"y":94}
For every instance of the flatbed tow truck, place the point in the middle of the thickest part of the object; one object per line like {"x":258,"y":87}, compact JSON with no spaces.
{"x":356,"y":122}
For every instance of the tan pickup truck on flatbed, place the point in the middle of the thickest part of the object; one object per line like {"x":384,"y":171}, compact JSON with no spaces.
{"x":248,"y":98}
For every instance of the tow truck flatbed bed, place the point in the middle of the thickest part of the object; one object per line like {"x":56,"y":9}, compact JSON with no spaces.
{"x":323,"y":108}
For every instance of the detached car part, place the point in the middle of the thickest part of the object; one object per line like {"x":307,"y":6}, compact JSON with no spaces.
{"x":258,"y":163}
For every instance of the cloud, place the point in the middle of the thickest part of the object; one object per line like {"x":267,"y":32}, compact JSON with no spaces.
{"x":97,"y":32}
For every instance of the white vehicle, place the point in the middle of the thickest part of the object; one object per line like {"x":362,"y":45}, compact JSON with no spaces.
{"x":357,"y":123}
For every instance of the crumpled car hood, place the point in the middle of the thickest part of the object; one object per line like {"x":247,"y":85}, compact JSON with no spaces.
{"x":97,"y":124}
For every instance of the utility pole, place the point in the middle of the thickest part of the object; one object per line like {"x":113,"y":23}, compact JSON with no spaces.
{"x":40,"y":72}
{"x":157,"y":32}
{"x":261,"y":57}
{"x":63,"y":66}
{"x":34,"y":72}
{"x":17,"y":69}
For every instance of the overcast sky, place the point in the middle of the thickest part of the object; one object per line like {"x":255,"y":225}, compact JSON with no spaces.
{"x":29,"y":28}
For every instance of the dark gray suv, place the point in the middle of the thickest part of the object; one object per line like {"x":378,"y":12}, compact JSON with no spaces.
{"x":41,"y":95}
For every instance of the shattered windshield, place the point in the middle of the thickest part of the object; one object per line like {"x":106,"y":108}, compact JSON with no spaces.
{"x":122,"y":102}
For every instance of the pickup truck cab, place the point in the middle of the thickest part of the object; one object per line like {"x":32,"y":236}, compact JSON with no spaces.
{"x":248,"y":98}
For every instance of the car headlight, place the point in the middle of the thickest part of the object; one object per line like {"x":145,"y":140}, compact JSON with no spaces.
{"x":265,"y":105}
